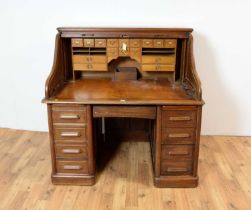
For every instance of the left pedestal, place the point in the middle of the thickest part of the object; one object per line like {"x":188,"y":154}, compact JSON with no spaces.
{"x":71,"y":141}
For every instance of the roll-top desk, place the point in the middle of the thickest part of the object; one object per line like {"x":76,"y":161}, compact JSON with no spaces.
{"x":101,"y":74}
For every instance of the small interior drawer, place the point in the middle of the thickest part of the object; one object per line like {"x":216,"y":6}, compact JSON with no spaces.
{"x":71,"y":151}
{"x":176,"y":168}
{"x":179,"y":117}
{"x":88,"y":42}
{"x":135,"y":51}
{"x":77,"y":43}
{"x":158,"y":43}
{"x":69,"y":113}
{"x":177,"y":152}
{"x":90,"y":67}
{"x":100,"y":42}
{"x":158,"y":59}
{"x":170,"y":43}
{"x":147,"y":43}
{"x":112,"y":43}
{"x":89,"y":59}
{"x":68,"y":134}
{"x":178,"y":135}
{"x":157,"y":67}
{"x":134,"y":43}
{"x":72,"y":166}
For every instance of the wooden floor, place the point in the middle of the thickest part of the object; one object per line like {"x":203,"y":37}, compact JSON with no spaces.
{"x":126,"y":180}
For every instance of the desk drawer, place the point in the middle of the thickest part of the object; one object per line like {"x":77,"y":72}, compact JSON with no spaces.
{"x":147,"y":112}
{"x":134,"y":43}
{"x":77,"y":43}
{"x":69,"y":114}
{"x":100,"y":43}
{"x":170,"y":43}
{"x":170,"y":167}
{"x":179,"y":116}
{"x":71,"y":151}
{"x":70,"y":134}
{"x":159,"y":59}
{"x":73,"y":167}
{"x":178,"y":135}
{"x":112,"y":43}
{"x":89,"y":59}
{"x":158,"y":43}
{"x":157,"y":67}
{"x":177,"y":152}
{"x":90,"y":67}
{"x":147,"y":43}
{"x":88,"y":42}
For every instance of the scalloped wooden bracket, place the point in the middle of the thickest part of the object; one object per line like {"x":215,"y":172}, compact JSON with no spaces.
{"x":191,"y":82}
{"x":57,"y":76}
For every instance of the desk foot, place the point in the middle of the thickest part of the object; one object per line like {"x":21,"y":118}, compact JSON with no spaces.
{"x":176,"y":181}
{"x":64,"y":179}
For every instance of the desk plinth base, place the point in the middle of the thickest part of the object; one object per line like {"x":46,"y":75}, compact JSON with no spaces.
{"x":63,"y":179}
{"x":176,"y":181}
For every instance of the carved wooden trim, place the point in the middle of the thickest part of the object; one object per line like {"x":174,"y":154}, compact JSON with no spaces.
{"x":191,"y":81}
{"x":56,"y":78}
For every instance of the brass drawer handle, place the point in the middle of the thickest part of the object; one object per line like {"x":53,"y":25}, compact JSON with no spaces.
{"x":100,"y":42}
{"x":71,"y":151}
{"x":72,"y":167}
{"x":69,"y":117}
{"x":178,"y":135}
{"x":157,"y":67}
{"x":77,"y":42}
{"x":181,"y":118}
{"x":70,"y":134}
{"x":178,"y":153}
{"x":177,"y":169}
{"x":89,"y":66}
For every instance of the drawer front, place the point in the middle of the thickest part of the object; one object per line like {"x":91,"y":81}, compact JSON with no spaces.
{"x":69,"y":114}
{"x":170,"y":43}
{"x":134,"y":43}
{"x":89,"y":59}
{"x":112,"y":52}
{"x":100,"y":43}
{"x":90,"y":67}
{"x":179,"y":118}
{"x":72,"y":167}
{"x":170,"y":167}
{"x":159,"y":59}
{"x":147,"y":43}
{"x":88,"y":42}
{"x":177,"y":152}
{"x":178,"y":135}
{"x":157,"y":67}
{"x":70,"y":134}
{"x":136,"y":52}
{"x":158,"y":43}
{"x":77,"y":43}
{"x":71,"y":151}
{"x":112,"y":43}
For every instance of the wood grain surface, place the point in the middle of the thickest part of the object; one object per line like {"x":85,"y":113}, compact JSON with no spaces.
{"x":124,"y":177}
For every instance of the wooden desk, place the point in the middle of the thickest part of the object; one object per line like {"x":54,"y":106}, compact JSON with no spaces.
{"x":81,"y":91}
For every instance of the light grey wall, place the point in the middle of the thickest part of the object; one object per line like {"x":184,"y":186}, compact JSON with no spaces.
{"x":222,"y":51}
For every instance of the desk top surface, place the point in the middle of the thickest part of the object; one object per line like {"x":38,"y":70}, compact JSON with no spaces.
{"x":106,"y":91}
